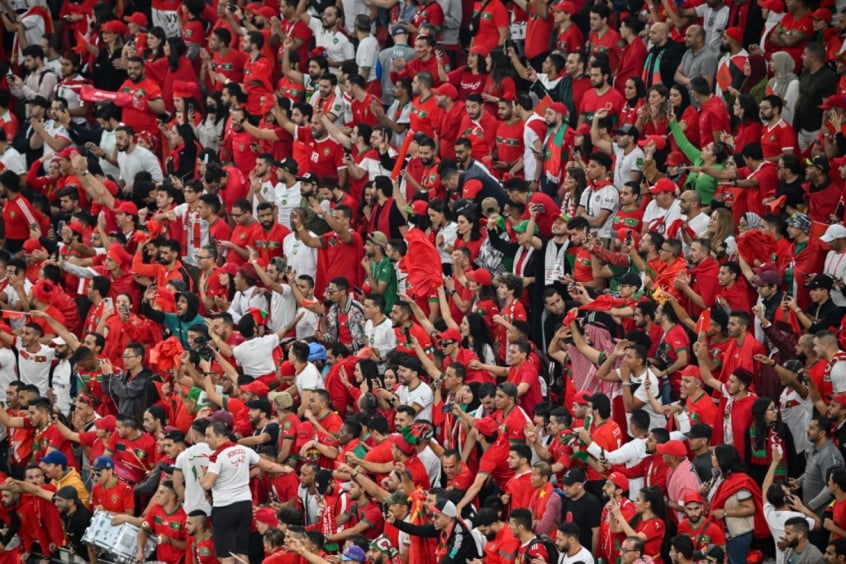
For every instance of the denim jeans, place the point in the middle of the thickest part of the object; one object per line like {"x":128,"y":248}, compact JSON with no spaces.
{"x":737,"y":548}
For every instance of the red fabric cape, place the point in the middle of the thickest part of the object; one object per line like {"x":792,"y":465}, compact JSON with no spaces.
{"x":733,"y":483}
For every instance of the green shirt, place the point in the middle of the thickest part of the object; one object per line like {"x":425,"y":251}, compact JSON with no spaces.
{"x":384,"y":271}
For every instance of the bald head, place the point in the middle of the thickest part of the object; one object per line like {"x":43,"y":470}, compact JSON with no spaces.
{"x":694,"y":37}
{"x":658,"y":33}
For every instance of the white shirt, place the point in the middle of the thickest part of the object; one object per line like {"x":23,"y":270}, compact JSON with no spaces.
{"x":307,"y":325}
{"x":242,"y":301}
{"x":714,"y":23}
{"x":337,"y":45}
{"x":659,"y":219}
{"x":283,"y":308}
{"x":35,"y":367}
{"x":835,"y":266}
{"x":140,"y":159}
{"x":595,"y":201}
{"x":189,"y":462}
{"x":301,"y":257}
{"x":255,"y":356}
{"x":625,"y":164}
{"x":13,"y":299}
{"x":450,"y":233}
{"x":107,"y":143}
{"x":421,"y":395}
{"x":62,"y":385}
{"x":582,"y":555}
{"x":286,"y":200}
{"x":630,"y":454}
{"x":367,"y":55}
{"x":233,"y":475}
{"x":309,"y":379}
{"x":267,"y":191}
{"x":381,"y":337}
{"x":838,"y":377}
{"x":13,"y":160}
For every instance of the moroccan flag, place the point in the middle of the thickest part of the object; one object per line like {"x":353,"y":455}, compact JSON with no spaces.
{"x":704,"y":321}
{"x":91,"y":94}
{"x":554,"y":153}
{"x":542,"y":105}
{"x":422,"y":278}
{"x":422,"y":550}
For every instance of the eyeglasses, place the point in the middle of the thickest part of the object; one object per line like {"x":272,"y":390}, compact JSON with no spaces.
{"x":663,"y":250}
{"x":446,"y":343}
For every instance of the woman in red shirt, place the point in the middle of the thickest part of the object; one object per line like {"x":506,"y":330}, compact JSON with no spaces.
{"x":470,"y":234}
{"x":653,"y":120}
{"x":648,"y":523}
{"x":499,"y":83}
{"x":748,"y":128}
{"x":635,"y":93}
{"x":471,"y":78}
{"x":686,"y":114}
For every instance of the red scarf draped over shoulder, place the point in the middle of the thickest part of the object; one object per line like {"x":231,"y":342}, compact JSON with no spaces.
{"x":732,"y":484}
{"x":213,"y":456}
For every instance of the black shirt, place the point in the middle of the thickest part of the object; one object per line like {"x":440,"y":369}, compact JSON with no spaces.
{"x":585,"y":513}
{"x":824,"y":315}
{"x":75,"y":525}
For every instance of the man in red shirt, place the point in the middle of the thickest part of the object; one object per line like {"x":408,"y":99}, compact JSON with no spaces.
{"x":450,"y":115}
{"x":132,"y":450}
{"x":258,"y":75}
{"x":425,"y":60}
{"x":502,"y":545}
{"x":268,"y":241}
{"x":246,"y":230}
{"x":602,"y":38}
{"x":344,"y":247}
{"x":109,"y":493}
{"x":325,"y":154}
{"x":362,"y":102}
{"x":147,"y":102}
{"x":508,"y":152}
{"x":602,"y":96}
{"x":735,"y":293}
{"x":224,"y":64}
{"x":166,"y":521}
{"x":18,"y":213}
{"x":479,"y":126}
{"x":425,"y":112}
{"x":200,"y":541}
{"x":778,"y":138}
{"x":713,"y":116}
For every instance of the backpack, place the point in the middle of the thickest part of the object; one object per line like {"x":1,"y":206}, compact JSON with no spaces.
{"x":548,"y":544}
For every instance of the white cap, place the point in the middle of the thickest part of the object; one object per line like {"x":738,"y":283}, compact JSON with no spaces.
{"x":833,"y":232}
{"x":58,"y":341}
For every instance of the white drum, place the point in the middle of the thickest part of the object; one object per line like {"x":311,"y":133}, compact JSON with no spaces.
{"x":125,"y":546}
{"x":101,"y":533}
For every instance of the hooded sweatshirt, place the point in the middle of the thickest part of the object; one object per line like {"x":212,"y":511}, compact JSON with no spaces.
{"x":178,"y":324}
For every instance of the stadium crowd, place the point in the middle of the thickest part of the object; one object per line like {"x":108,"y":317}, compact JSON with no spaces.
{"x":423,"y":281}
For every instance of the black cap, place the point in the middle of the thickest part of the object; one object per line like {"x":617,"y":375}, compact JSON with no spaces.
{"x":628,"y":129}
{"x":68,"y":492}
{"x":629,"y":279}
{"x":699,"y":431}
{"x":289,"y":164}
{"x":410,"y":362}
{"x":820,"y":281}
{"x":309,"y":177}
{"x":574,"y":476}
{"x":322,"y":479}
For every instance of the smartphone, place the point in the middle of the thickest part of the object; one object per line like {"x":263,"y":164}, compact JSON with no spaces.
{"x":109,"y":303}
{"x":446,"y":408}
{"x":540,"y":208}
{"x":232,"y":7}
{"x":629,"y":237}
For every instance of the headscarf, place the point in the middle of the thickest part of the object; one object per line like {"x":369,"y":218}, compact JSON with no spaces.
{"x":753,"y":220}
{"x":758,"y":72}
{"x":783,"y":65}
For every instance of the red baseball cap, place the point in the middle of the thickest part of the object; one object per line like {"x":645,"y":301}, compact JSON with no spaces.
{"x":691,"y":371}
{"x":450,"y":334}
{"x":448,"y":90}
{"x":138,"y":18}
{"x":672,"y":448}
{"x":129,"y":208}
{"x":582,"y":398}
{"x":663,"y":185}
{"x":480,"y":276}
{"x":735,"y":33}
{"x":675,"y":158}
{"x":659,"y":140}
{"x":619,"y":480}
